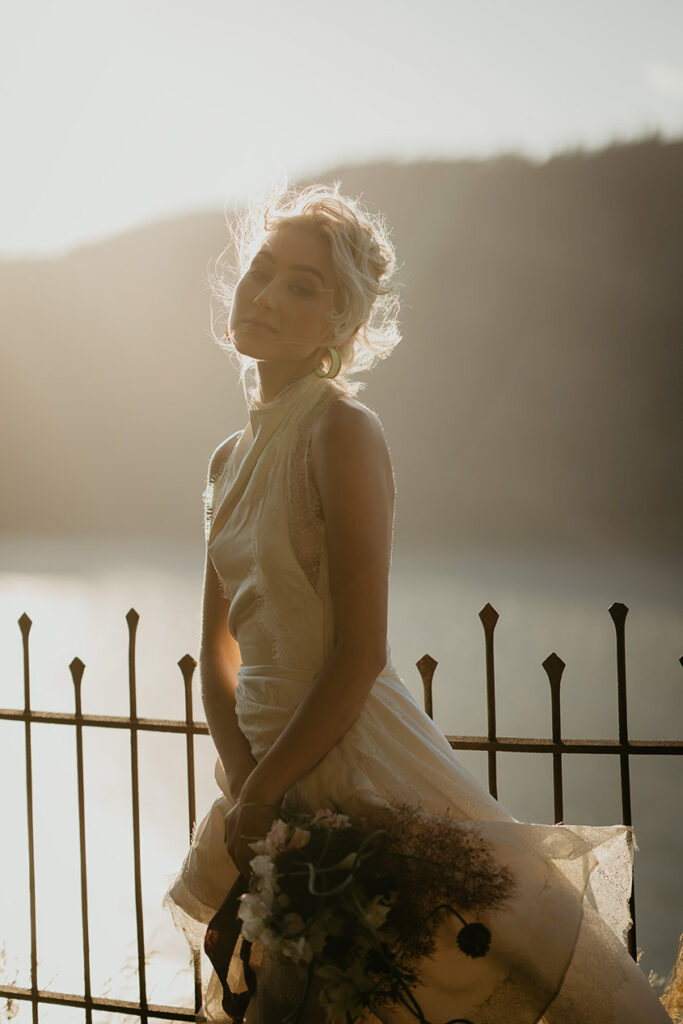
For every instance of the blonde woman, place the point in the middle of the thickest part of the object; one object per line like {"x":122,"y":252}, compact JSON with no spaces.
{"x":303,"y":702}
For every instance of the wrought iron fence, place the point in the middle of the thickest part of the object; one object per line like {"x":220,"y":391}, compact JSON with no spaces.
{"x":558,"y":746}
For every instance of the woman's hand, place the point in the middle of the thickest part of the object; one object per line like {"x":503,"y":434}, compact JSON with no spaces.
{"x":236,"y":781}
{"x":244,"y":824}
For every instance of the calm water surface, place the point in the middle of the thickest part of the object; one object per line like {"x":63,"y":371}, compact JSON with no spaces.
{"x":77,"y":594}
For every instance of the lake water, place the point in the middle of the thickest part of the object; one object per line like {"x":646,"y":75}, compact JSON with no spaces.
{"x":77,"y":594}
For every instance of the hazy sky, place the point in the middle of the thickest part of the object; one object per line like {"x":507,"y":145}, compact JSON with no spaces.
{"x":117,"y":113}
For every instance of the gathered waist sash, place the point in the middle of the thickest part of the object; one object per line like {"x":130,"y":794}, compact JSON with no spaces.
{"x":268,"y":695}
{"x":280,"y":685}
{"x":272,"y":685}
{"x":265,"y":700}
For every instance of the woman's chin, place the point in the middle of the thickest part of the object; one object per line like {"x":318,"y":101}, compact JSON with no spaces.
{"x":254,"y":348}
{"x":265,"y":350}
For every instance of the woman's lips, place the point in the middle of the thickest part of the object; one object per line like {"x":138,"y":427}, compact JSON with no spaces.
{"x":259,"y":326}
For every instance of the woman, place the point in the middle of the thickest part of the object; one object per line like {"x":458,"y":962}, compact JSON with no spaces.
{"x":302,"y":699}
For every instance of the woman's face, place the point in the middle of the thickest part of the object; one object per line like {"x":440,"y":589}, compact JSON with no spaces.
{"x":289,"y":290}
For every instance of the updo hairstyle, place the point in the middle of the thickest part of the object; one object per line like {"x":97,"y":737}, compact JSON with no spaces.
{"x":366,"y":328}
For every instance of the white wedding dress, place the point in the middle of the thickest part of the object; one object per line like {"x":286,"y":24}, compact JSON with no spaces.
{"x":558,"y":947}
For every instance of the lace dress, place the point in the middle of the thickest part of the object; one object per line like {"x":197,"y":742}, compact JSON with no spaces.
{"x":558,"y":948}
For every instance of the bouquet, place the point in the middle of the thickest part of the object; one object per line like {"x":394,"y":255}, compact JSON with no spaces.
{"x":355,"y":905}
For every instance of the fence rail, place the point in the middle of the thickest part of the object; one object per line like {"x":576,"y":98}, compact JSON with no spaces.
{"x":557,"y":745}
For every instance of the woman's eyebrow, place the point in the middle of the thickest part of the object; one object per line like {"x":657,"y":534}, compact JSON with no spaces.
{"x":293,"y":266}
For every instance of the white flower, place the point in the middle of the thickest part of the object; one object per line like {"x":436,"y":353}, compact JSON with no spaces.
{"x":265,"y":892}
{"x":278,"y":835}
{"x":257,"y":931}
{"x":297,"y":949}
{"x":329,"y":819}
{"x":269,"y":939}
{"x":254,"y":910}
{"x":252,"y":929}
{"x":299,"y":838}
{"x":263,"y":846}
{"x":263,"y":867}
{"x":253,"y":920}
{"x":255,"y":906}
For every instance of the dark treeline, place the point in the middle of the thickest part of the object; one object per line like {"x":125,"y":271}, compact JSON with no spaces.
{"x":534,"y":401}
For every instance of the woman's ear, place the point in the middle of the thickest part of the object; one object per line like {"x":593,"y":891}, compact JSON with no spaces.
{"x":320,"y":354}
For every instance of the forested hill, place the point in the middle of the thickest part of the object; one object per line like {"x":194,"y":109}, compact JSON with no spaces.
{"x":536,"y":398}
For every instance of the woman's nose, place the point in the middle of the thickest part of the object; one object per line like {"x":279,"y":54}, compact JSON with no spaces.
{"x":265,"y":297}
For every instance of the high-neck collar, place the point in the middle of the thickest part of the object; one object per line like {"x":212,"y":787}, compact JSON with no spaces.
{"x":267,"y":420}
{"x":285,"y":398}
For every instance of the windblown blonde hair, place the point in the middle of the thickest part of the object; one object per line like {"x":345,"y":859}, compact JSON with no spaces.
{"x":366,"y":328}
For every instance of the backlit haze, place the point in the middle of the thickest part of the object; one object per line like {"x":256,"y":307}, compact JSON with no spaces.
{"x":532,"y":410}
{"x":115,"y":114}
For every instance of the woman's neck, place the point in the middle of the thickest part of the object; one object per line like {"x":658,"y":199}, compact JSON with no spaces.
{"x":274,"y":378}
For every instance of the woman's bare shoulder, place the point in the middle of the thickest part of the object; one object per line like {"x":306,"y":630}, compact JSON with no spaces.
{"x":349,"y":416}
{"x":347,"y":432}
{"x":221,"y":454}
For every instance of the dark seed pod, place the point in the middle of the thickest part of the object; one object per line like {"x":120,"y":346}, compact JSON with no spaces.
{"x":474,"y":939}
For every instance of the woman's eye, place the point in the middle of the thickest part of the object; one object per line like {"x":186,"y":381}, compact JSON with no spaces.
{"x":295,"y":289}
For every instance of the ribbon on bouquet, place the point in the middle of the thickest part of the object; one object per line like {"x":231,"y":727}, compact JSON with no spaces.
{"x":367,"y":897}
{"x":220,"y":940}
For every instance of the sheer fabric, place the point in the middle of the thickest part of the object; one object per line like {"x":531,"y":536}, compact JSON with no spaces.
{"x":558,"y":951}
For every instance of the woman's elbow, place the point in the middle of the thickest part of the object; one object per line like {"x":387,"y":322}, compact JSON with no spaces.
{"x":363,"y":659}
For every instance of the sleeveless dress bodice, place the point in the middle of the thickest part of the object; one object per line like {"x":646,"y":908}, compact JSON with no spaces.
{"x":558,"y":949}
{"x":267,"y":535}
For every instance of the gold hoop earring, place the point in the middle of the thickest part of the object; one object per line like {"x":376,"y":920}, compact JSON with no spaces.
{"x":335,"y":365}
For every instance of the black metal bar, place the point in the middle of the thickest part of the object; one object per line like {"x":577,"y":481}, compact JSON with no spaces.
{"x":76,"y":667}
{"x":187,"y":666}
{"x":554,"y":667}
{"x":508,"y":744}
{"x":103,"y":721}
{"x":618,"y":613}
{"x":132,"y":618}
{"x":99,"y":1003}
{"x":426,"y":667}
{"x":491,"y":743}
{"x":489,"y":618}
{"x":25,"y":627}
{"x":501,"y":744}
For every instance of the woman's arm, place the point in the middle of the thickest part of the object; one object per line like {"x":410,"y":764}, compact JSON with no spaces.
{"x":219,"y":660}
{"x":353,"y":471}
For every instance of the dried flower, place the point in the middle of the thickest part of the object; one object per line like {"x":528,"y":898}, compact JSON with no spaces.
{"x":474,"y":939}
{"x":356,"y":904}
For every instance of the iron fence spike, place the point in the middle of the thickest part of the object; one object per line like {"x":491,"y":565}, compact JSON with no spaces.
{"x":426,"y":666}
{"x":618,"y":611}
{"x":187,"y":665}
{"x":76,"y":667}
{"x":489,"y":616}
{"x":553,"y":665}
